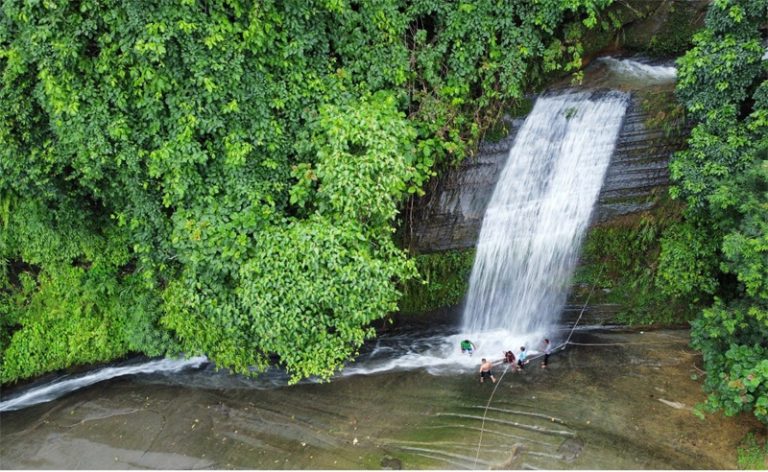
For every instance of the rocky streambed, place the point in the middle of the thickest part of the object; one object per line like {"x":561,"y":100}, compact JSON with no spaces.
{"x":611,"y":400}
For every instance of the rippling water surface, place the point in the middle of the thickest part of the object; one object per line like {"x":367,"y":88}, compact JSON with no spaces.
{"x":611,"y":400}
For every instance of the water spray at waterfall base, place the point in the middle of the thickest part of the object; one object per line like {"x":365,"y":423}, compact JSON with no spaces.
{"x":536,"y":219}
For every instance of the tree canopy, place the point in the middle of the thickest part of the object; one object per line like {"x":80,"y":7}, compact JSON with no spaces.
{"x":719,"y":254}
{"x":224,"y":177}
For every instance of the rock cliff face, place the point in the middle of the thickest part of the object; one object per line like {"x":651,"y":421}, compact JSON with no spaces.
{"x":639,"y":166}
{"x":450,"y":215}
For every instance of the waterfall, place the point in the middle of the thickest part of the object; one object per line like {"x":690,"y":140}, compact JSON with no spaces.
{"x":539,"y":211}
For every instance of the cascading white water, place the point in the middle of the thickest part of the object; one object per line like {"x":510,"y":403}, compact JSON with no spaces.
{"x":539,"y":210}
{"x":647,"y":72}
{"x":60,"y":387}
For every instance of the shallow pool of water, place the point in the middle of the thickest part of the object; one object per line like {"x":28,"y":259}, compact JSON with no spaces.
{"x":611,"y":400}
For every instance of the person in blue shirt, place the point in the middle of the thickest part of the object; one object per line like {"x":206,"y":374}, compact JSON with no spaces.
{"x":521,"y":358}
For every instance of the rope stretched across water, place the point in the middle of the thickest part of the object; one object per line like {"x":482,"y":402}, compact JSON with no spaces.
{"x":591,"y":291}
{"x":482,"y":425}
{"x":561,"y":346}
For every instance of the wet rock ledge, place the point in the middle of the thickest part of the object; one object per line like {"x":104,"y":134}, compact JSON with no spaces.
{"x":450,"y":214}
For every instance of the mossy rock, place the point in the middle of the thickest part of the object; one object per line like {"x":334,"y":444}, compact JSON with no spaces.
{"x":443,"y":281}
{"x":668,"y":31}
{"x":501,"y":129}
{"x":616,"y":17}
{"x":618,"y":266}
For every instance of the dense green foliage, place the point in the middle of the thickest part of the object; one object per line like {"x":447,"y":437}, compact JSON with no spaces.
{"x":621,"y":257}
{"x":223,"y":177}
{"x":719,"y":254}
{"x":443,"y":281}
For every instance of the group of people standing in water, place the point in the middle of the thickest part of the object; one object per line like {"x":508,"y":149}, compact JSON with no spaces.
{"x":518,"y":362}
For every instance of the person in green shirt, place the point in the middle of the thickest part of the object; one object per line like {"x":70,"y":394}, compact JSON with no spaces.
{"x":467,"y":347}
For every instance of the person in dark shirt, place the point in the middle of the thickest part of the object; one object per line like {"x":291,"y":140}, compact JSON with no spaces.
{"x":547,"y":351}
{"x":509,"y":357}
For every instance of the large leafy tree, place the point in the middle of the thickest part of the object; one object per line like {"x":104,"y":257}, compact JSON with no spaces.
{"x":223,"y":176}
{"x":719,"y":254}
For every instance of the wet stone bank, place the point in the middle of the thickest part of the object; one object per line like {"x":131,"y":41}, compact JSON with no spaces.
{"x":612,"y":400}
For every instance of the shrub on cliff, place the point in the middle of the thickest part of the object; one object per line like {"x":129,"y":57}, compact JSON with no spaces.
{"x":720,"y":253}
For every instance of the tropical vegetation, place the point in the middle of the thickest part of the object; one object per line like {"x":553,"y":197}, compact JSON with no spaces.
{"x":718,"y":255}
{"x":224,"y":177}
